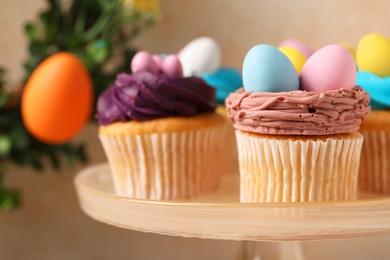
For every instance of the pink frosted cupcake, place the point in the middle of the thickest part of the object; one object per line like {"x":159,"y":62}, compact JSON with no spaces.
{"x":296,"y":134}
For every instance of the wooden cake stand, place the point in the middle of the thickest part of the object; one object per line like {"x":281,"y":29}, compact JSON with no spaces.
{"x":221,"y":216}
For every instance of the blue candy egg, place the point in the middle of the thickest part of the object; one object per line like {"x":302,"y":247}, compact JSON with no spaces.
{"x":266,"y":69}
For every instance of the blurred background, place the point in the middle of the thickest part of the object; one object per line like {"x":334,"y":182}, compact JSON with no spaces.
{"x":50,"y":224}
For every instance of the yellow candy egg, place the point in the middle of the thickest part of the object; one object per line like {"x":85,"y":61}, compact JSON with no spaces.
{"x":296,"y":58}
{"x":373,"y":54}
{"x":350,"y":48}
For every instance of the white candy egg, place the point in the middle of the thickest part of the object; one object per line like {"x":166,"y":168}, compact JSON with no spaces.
{"x":200,"y":56}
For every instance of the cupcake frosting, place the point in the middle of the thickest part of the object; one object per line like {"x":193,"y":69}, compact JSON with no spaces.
{"x":144,"y":96}
{"x":298,"y":112}
{"x":378,"y":87}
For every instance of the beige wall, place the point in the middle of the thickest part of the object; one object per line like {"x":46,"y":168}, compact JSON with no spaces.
{"x":237,"y":25}
{"x":51,"y":225}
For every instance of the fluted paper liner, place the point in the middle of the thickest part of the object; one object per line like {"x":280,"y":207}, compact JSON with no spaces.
{"x":374,"y":173}
{"x":276,"y":169}
{"x":165,"y":166}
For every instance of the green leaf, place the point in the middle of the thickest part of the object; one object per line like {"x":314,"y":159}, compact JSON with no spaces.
{"x":52,"y":31}
{"x":5,"y":145}
{"x":80,"y":24}
{"x":2,"y":80}
{"x":20,"y":138}
{"x":81,"y":153}
{"x":3,"y":168}
{"x":4,"y":100}
{"x":70,"y":159}
{"x":54,"y":160}
{"x":44,"y":17}
{"x":35,"y":163}
{"x":9,"y":199}
{"x":97,"y":51}
{"x":32,"y":31}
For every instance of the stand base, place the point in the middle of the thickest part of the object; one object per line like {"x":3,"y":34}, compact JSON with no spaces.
{"x":253,"y":250}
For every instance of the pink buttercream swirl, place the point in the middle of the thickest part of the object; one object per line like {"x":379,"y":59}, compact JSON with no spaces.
{"x":298,"y":112}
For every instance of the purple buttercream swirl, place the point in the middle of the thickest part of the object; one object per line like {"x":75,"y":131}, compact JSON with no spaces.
{"x":145,"y":96}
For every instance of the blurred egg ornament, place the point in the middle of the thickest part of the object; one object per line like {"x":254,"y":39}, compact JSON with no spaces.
{"x":329,"y":68}
{"x":373,"y":54}
{"x":298,"y":45}
{"x":266,"y":69}
{"x":295,"y":56}
{"x":200,"y":56}
{"x":57,"y":100}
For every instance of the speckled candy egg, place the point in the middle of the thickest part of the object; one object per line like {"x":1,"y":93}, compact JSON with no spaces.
{"x":331,"y":67}
{"x":298,"y":45}
{"x":266,"y":69}
{"x":200,"y":56}
{"x":350,"y":48}
{"x":295,"y":56}
{"x":373,"y":54}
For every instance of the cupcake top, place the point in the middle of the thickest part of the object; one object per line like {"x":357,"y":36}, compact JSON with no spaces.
{"x":322,"y":100}
{"x":156,"y":89}
{"x":298,"y":112}
{"x":373,"y":60}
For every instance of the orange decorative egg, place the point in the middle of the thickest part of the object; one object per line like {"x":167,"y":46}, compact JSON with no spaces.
{"x":57,"y":99}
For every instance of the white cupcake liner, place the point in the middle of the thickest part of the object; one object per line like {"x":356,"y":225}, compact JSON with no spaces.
{"x":165,"y":166}
{"x":288,"y":170}
{"x":374,"y":175}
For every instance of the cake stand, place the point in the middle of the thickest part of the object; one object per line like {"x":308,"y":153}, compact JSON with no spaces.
{"x":221,"y":216}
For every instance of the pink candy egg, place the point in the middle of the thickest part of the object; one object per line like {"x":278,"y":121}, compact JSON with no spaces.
{"x":298,"y":45}
{"x":143,"y":61}
{"x":171,"y":66}
{"x":329,"y":68}
{"x":158,"y":60}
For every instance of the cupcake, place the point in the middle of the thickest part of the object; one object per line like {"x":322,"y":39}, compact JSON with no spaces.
{"x":373,"y":62}
{"x":159,"y":131}
{"x":202,"y":58}
{"x":296,"y":134}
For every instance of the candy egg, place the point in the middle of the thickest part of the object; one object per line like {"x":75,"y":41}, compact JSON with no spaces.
{"x":373,"y":54}
{"x":171,"y":66}
{"x":144,"y":61}
{"x":200,"y":56}
{"x":298,"y":45}
{"x":266,"y":69}
{"x":158,"y":59}
{"x":331,"y":67}
{"x":350,"y":48}
{"x":57,"y":99}
{"x":296,"y":58}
